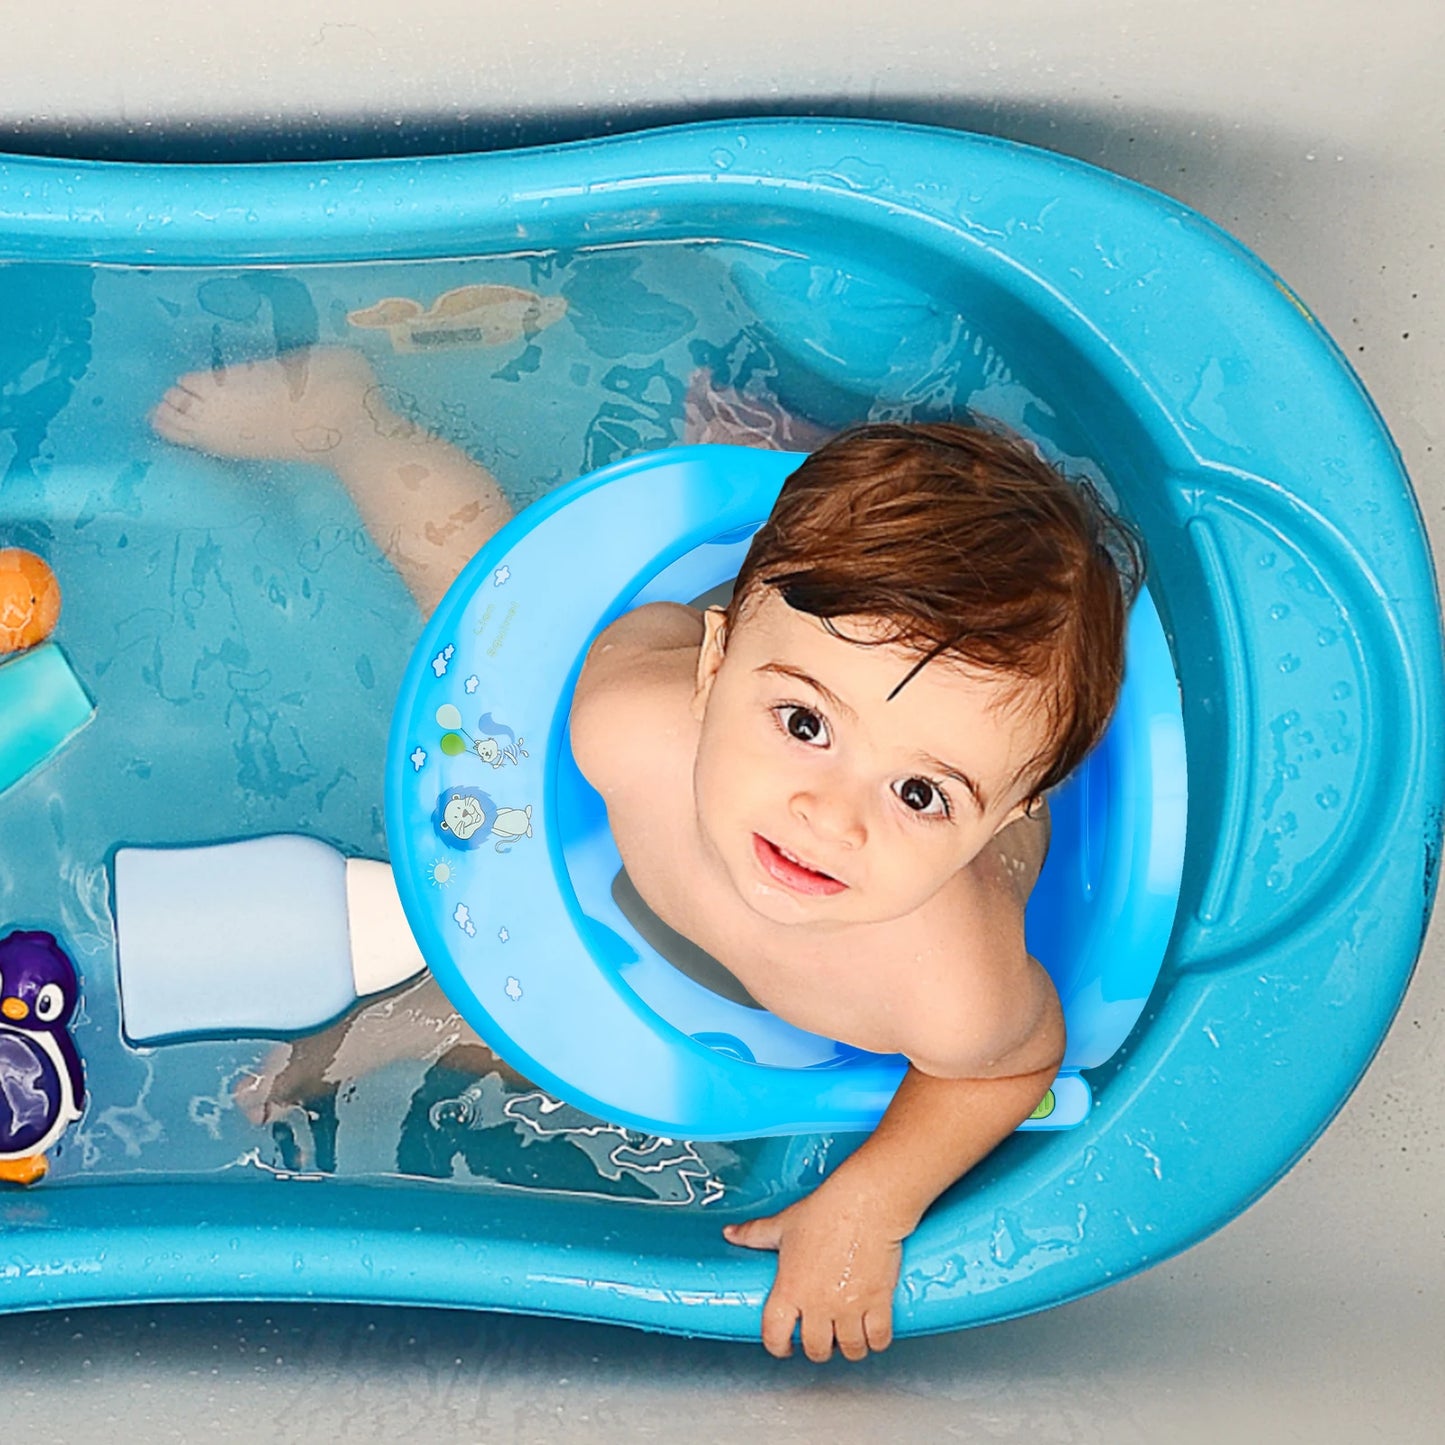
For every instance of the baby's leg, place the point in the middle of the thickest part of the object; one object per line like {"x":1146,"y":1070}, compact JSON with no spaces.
{"x":428,"y":507}
{"x":724,"y":415}
{"x":416,"y":1022}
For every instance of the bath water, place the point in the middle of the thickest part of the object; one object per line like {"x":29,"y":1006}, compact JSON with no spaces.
{"x":243,"y":639}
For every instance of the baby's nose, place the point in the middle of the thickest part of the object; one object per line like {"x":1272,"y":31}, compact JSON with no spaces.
{"x":832,"y":814}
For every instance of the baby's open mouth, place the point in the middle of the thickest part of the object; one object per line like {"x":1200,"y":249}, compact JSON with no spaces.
{"x":790,"y":870}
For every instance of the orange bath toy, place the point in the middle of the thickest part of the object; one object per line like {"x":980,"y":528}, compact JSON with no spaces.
{"x":29,"y":600}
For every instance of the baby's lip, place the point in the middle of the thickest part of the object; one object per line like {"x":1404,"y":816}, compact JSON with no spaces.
{"x":793,"y":872}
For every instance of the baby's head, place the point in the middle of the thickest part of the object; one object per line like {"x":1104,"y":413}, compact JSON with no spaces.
{"x":926,"y":636}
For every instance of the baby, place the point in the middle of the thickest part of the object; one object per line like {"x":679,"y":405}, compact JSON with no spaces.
{"x":834,"y":785}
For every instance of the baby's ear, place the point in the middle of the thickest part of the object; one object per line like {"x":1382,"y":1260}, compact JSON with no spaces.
{"x":1023,"y":809}
{"x":709,"y":657}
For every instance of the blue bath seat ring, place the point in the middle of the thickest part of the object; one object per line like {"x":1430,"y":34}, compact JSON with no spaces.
{"x":533,"y":947}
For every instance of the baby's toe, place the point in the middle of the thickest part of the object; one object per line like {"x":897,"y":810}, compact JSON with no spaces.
{"x":195,"y":387}
{"x":171,"y":423}
{"x":256,"y":1092}
{"x":252,"y":1096}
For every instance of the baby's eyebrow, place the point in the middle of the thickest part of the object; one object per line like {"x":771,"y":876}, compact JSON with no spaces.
{"x":783,"y":669}
{"x":951,"y":772}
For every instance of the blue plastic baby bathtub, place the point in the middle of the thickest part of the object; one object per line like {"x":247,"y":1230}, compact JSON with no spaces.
{"x":875,"y":268}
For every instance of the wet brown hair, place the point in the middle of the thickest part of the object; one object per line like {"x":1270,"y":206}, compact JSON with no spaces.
{"x":967,"y":545}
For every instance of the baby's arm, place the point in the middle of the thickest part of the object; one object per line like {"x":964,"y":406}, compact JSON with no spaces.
{"x":840,"y":1249}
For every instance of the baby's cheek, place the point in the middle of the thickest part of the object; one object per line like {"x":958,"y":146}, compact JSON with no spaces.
{"x":709,"y":787}
{"x":924,"y":869}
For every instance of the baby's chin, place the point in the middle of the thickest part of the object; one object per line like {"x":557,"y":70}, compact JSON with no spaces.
{"x":780,"y":905}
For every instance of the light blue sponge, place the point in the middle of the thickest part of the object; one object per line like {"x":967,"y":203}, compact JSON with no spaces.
{"x":42,"y":706}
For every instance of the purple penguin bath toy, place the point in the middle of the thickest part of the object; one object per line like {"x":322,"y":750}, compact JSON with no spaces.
{"x":42,"y":1084}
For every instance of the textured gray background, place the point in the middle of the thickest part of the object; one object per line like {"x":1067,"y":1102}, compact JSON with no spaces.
{"x":1316,"y":134}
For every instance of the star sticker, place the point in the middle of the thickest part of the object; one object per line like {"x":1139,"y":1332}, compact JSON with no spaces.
{"x":472,"y":684}
{"x":463,"y":920}
{"x":440,"y":661}
{"x":501,"y":575}
{"x":514,"y":989}
{"x":502,"y":934}
{"x":418,"y":760}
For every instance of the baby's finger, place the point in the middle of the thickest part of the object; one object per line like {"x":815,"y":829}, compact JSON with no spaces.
{"x":878,"y":1325}
{"x":818,"y":1335}
{"x":765,"y":1233}
{"x":852,"y":1341}
{"x":779,"y":1316}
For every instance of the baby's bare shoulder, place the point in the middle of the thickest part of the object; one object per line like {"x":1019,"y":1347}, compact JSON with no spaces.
{"x":647,"y":630}
{"x":633,"y":688}
{"x":989,"y":1026}
{"x":980,"y":1006}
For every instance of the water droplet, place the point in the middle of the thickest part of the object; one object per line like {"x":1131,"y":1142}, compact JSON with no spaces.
{"x":722,"y":159}
{"x":1327,"y":635}
{"x":1289,"y":663}
{"x":1279,"y":611}
{"x":1266,"y":559}
{"x":1341,"y":691}
{"x":1328,"y":799}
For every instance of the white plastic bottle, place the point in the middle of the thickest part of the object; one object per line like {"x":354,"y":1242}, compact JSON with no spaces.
{"x":273,"y":935}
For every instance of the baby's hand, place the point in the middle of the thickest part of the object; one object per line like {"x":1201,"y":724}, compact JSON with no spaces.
{"x":837,"y":1269}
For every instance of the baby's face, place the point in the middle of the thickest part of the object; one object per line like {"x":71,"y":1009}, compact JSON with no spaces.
{"x":825,"y":802}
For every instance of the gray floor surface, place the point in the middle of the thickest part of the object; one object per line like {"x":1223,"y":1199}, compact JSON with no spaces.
{"x":1316,"y":134}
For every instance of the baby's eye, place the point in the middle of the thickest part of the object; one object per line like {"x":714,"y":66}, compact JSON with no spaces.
{"x":922,"y":796}
{"x":803,"y":724}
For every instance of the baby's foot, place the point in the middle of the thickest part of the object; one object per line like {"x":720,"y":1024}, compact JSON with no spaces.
{"x":722,"y":414}
{"x":300,"y":406}
{"x":272,"y":1089}
{"x":285,"y":1096}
